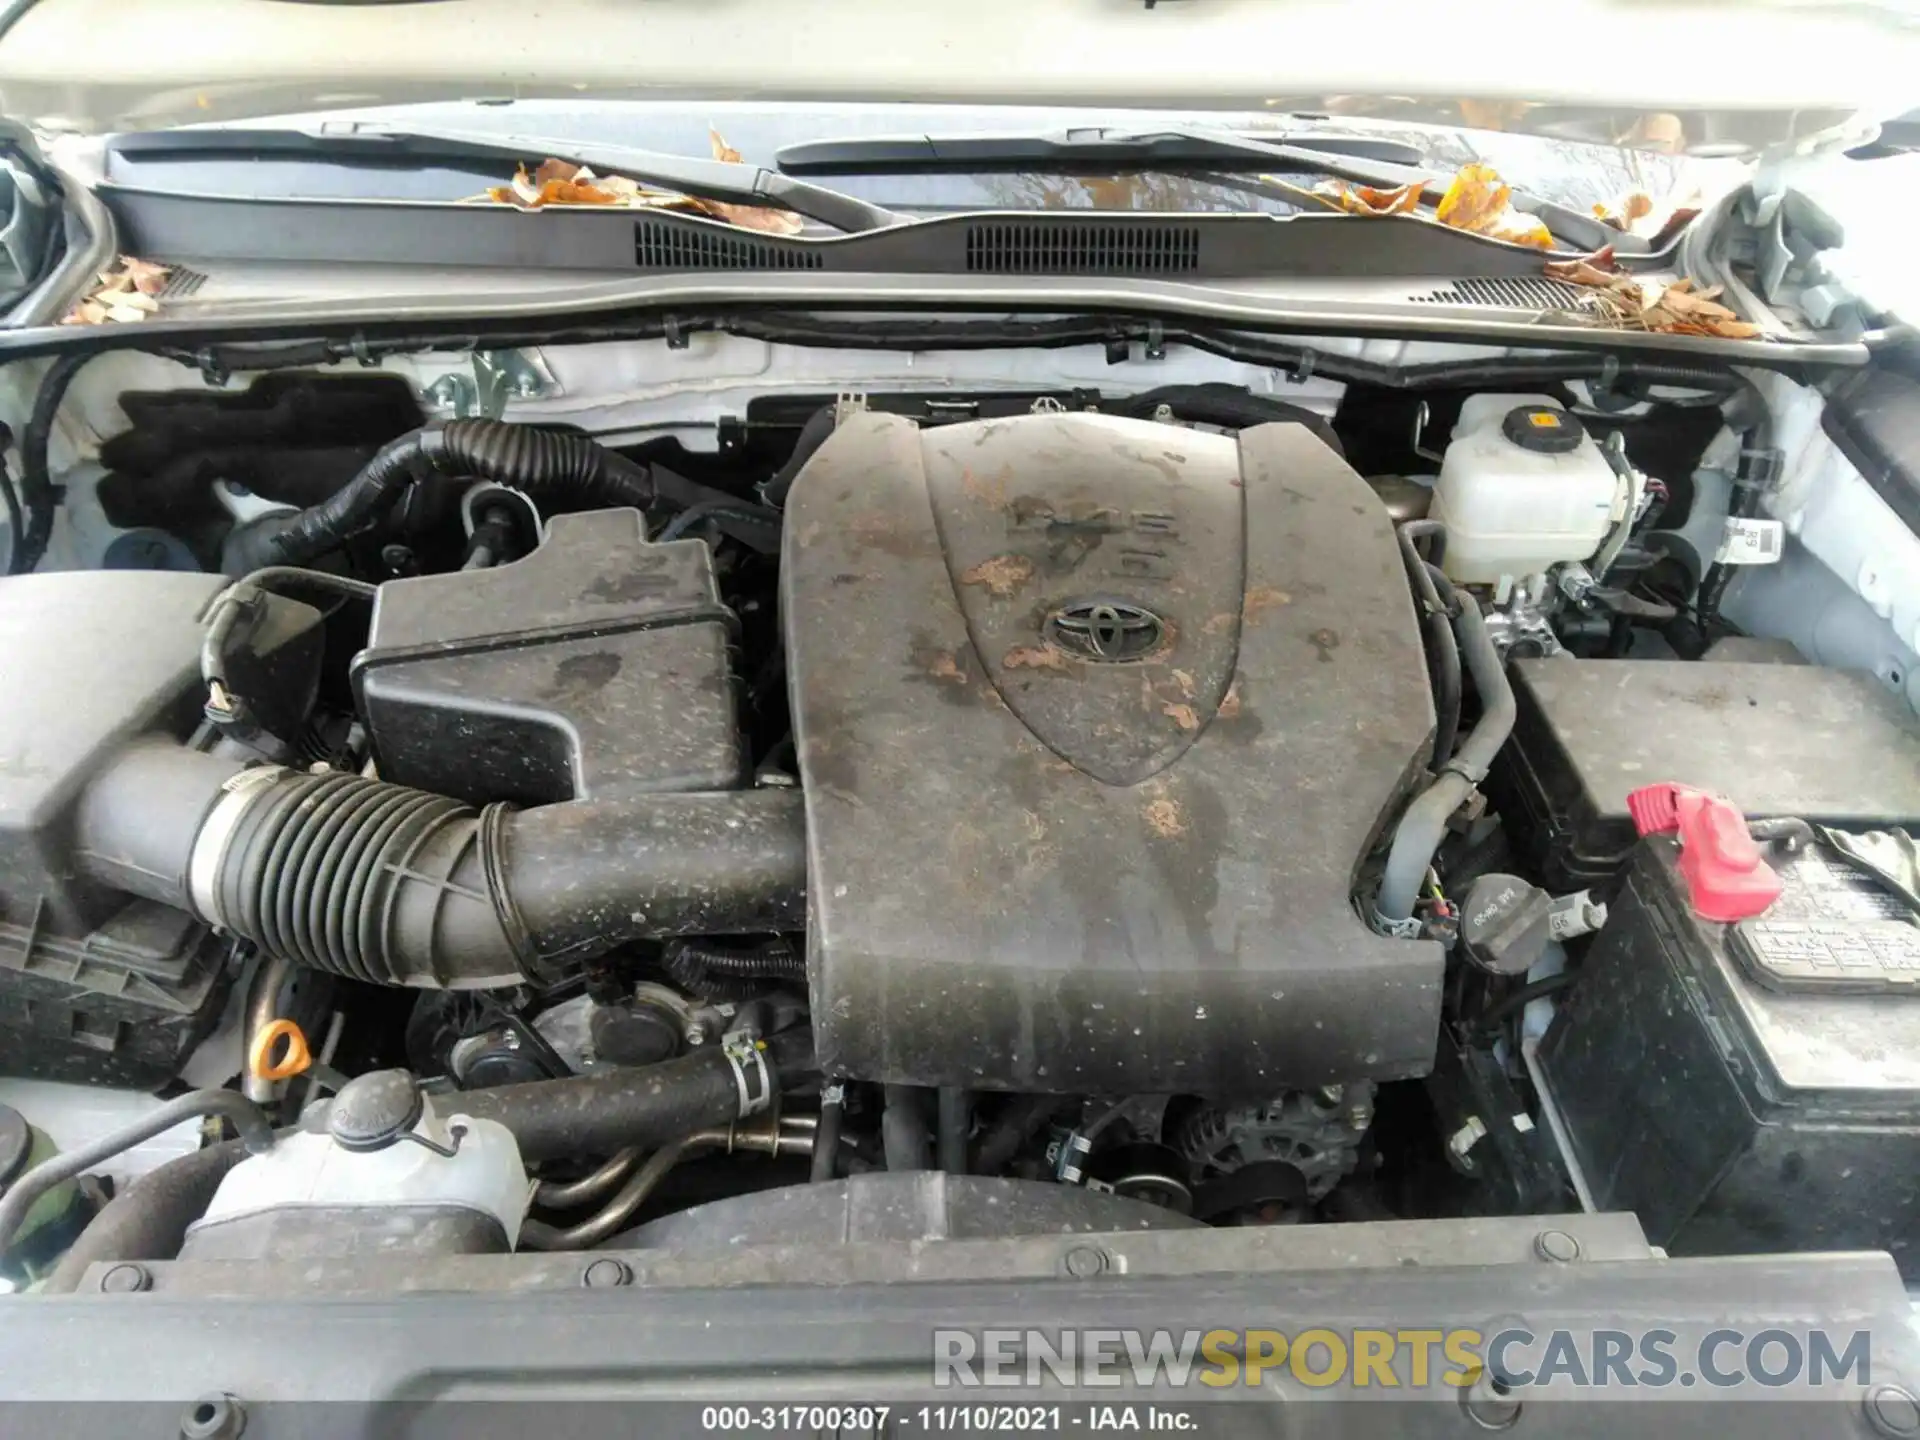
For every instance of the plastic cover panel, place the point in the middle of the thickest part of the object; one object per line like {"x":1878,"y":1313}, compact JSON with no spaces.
{"x":1034,"y":868}
{"x":92,"y":658}
{"x":596,"y":667}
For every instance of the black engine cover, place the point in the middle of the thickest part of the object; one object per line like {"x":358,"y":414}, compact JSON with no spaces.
{"x":1097,"y":718}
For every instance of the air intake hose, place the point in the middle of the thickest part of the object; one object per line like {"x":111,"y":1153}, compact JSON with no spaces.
{"x":571,"y":471}
{"x":397,"y":886}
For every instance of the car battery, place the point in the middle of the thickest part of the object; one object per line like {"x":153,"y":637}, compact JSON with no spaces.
{"x":1750,"y":1087}
{"x":1832,"y":746}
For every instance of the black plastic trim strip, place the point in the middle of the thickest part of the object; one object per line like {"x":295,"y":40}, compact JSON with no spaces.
{"x":201,"y":228}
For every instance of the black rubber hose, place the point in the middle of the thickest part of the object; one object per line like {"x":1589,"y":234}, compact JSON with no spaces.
{"x":256,"y":1133}
{"x":645,"y":1107}
{"x":693,"y":515}
{"x":1231,"y":407}
{"x":1018,"y":1122}
{"x":1515,"y":1001}
{"x":716,"y":970}
{"x":1443,"y":651}
{"x":149,"y":1219}
{"x":1423,"y":825}
{"x":955,"y":1119}
{"x":36,"y":481}
{"x":826,"y":1136}
{"x":16,"y":517}
{"x":813,"y":435}
{"x":903,"y":1129}
{"x":396,"y":886}
{"x":554,"y":467}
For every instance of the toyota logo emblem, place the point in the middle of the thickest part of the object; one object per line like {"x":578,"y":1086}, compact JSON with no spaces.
{"x":1106,"y":631}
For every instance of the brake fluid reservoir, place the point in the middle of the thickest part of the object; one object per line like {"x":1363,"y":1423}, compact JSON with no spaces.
{"x":1522,"y":487}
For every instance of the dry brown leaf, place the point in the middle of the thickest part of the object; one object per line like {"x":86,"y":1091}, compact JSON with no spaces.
{"x":750,"y":217}
{"x":87,"y":312}
{"x":1625,"y":302}
{"x":561,"y":182}
{"x":1478,"y":200}
{"x":148,"y":278}
{"x":552,"y":169}
{"x":1622,"y":214}
{"x":1365,"y":200}
{"x":125,"y":294}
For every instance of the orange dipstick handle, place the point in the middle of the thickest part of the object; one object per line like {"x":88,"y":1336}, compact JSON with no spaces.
{"x":296,"y":1059}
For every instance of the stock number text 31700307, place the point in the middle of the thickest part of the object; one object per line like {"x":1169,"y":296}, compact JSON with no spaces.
{"x":874,"y":1419}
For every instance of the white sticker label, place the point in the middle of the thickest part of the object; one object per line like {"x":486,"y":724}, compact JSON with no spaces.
{"x":1752,"y":542}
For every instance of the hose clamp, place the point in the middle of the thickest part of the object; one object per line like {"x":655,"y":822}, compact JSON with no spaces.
{"x":1407,"y":929}
{"x":215,"y":838}
{"x":751,"y":1077}
{"x":490,"y":834}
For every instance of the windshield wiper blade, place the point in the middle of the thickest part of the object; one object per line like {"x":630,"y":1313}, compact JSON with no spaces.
{"x":693,"y":175}
{"x":1372,"y":160}
{"x":1357,"y":159}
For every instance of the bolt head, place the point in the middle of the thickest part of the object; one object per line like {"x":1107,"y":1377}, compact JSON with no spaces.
{"x":1556,"y":1245}
{"x":213,"y":1417}
{"x":606,"y":1274}
{"x":1893,"y":1411}
{"x":125,"y":1280}
{"x":1490,"y":1404}
{"x":1083,"y":1262}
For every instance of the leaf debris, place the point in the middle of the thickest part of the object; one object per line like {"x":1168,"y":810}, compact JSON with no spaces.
{"x":1630,"y":302}
{"x":126,"y":293}
{"x":1476,"y":200}
{"x":561,"y":182}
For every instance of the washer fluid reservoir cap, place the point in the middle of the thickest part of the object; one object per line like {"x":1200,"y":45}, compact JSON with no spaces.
{"x":1543,"y":430}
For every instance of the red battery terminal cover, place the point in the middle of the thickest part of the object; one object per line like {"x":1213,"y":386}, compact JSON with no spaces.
{"x":1726,"y":871}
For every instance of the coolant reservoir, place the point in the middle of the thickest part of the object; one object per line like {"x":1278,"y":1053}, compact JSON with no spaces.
{"x":1523,"y":487}
{"x":389,"y":1172}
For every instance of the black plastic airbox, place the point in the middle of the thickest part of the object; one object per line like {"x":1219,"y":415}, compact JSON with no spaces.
{"x":595,"y":667}
{"x":1097,"y":718}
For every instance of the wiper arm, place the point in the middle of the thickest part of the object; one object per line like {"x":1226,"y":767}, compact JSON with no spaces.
{"x":1357,"y":159}
{"x":1364,"y":159}
{"x":694,"y":175}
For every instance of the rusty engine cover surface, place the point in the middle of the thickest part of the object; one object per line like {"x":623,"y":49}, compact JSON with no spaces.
{"x":1097,"y":718}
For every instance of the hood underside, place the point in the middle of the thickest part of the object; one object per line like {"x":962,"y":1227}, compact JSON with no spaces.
{"x":1657,"y":76}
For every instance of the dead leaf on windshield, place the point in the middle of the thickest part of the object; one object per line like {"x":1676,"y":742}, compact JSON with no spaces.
{"x":1622,"y":214}
{"x":561,"y":182}
{"x":1365,"y":200}
{"x":125,"y":294}
{"x":1628,"y":302}
{"x":1478,"y":200}
{"x":1638,"y":214}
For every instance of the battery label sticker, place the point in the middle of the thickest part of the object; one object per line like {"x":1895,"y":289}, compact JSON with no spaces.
{"x":1752,"y":542}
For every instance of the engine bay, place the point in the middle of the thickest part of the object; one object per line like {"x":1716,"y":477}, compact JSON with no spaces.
{"x":1172,"y":807}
